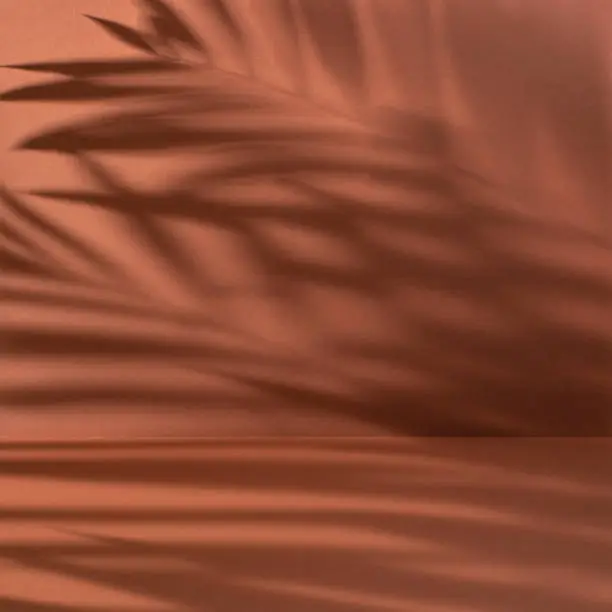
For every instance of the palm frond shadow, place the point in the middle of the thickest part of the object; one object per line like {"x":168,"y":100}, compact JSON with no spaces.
{"x":474,"y":341}
{"x":535,"y":392}
{"x":316,"y":525}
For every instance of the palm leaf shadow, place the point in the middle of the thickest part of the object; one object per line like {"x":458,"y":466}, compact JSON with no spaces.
{"x":75,"y":91}
{"x":274,"y":143}
{"x":169,"y":28}
{"x":124,"y":33}
{"x":26,"y":220}
{"x":98,"y":68}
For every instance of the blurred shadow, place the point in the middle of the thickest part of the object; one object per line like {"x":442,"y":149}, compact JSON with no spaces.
{"x":268,"y":525}
{"x":496,"y":329}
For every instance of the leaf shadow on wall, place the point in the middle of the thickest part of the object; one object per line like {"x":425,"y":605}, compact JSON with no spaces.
{"x":491,"y":316}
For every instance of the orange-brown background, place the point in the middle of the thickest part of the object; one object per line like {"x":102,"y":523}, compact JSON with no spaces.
{"x":430,"y":525}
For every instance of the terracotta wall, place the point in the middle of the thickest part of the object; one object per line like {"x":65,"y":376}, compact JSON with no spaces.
{"x":524,"y":86}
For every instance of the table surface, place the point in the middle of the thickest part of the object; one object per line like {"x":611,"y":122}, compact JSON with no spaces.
{"x":306,"y":524}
